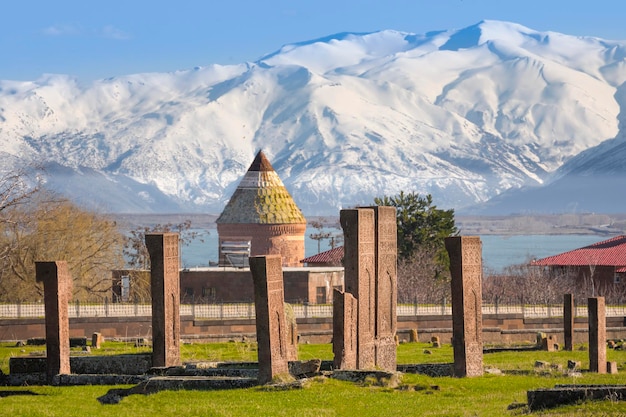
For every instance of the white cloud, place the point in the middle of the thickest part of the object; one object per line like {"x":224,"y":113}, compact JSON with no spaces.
{"x":61,"y":30}
{"x":111,"y":32}
{"x":107,"y":31}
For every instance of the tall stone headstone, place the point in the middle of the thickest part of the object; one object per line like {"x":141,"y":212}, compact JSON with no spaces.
{"x":597,"y":335}
{"x":344,"y":330}
{"x":386,"y":281}
{"x":271,"y":325}
{"x":292,"y":332}
{"x":360,"y":278}
{"x":568,"y":321}
{"x":165,"y":287}
{"x":466,"y":269}
{"x":57,"y":288}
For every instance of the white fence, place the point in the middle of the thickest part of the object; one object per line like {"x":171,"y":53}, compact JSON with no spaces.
{"x":246,"y":310}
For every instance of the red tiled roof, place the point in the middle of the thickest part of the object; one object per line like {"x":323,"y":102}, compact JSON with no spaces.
{"x":610,"y":252}
{"x":334,"y":255}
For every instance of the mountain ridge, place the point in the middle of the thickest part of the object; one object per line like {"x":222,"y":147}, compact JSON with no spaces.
{"x":463,"y":114}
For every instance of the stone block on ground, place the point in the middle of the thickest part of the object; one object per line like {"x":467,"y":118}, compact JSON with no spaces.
{"x":305,"y":369}
{"x":382,"y":378}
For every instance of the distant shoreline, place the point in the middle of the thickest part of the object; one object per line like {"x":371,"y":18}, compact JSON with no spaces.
{"x":552,"y":224}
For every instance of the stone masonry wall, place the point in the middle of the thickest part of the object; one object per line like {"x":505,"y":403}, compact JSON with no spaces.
{"x":503,"y":328}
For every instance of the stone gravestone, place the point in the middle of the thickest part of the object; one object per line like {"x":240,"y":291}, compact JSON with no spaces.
{"x":597,"y":335}
{"x":360,"y":278}
{"x":271,"y":326}
{"x":165,"y":288}
{"x":96,"y":340}
{"x":386,"y":281}
{"x":466,"y":269}
{"x":568,"y":321}
{"x":370,"y":268}
{"x":344,"y":330}
{"x":57,"y":288}
{"x":292,"y":333}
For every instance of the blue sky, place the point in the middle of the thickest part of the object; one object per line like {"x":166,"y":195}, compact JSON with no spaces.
{"x":93,"y":39}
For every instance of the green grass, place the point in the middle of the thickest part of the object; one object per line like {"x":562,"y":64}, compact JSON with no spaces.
{"x":489,"y":395}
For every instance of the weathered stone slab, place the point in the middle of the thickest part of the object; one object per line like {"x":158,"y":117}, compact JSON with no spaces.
{"x":163,"y":383}
{"x":292,"y":333}
{"x":271,"y":326}
{"x":74,"y":341}
{"x":57,"y":283}
{"x":572,"y":394}
{"x":549,"y":344}
{"x":360,"y":278}
{"x":113,"y":364}
{"x":568,"y":321}
{"x":165,"y":289}
{"x":386,"y":286}
{"x":466,"y":269}
{"x":430,"y":369}
{"x":98,"y":379}
{"x":383,"y":378}
{"x":96,"y":340}
{"x":305,"y":369}
{"x":597,"y":335}
{"x":344,"y":330}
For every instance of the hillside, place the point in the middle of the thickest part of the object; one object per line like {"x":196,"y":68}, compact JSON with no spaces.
{"x":464,"y":114}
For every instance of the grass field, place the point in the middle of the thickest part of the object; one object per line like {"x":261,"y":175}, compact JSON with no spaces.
{"x":489,"y":395}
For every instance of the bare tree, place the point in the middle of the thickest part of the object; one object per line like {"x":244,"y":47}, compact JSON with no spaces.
{"x":50,"y":228}
{"x":529,"y":284}
{"x":421,"y":277}
{"x":16,"y":188}
{"x":135,"y":249}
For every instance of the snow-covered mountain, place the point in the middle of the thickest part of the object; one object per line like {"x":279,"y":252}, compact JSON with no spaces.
{"x":462,"y":114}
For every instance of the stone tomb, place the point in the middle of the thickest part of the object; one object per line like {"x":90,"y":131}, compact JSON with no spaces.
{"x":466,"y":269}
{"x":57,"y":287}
{"x":165,"y":287}
{"x":271,"y":324}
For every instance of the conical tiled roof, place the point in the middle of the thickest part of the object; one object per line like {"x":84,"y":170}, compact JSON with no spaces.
{"x":261,"y":198}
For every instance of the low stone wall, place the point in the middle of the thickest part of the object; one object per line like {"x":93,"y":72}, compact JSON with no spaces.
{"x":572,"y":394}
{"x":497,"y":329}
{"x":136,"y":364}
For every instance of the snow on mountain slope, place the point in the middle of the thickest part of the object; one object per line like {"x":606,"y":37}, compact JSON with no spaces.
{"x":462,"y":114}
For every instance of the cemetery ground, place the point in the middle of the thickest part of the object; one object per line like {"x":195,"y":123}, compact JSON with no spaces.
{"x":493,"y":394}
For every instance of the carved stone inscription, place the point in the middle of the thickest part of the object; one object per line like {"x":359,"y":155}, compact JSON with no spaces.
{"x":597,"y":335}
{"x":271,"y":324}
{"x":386,"y":246}
{"x":359,"y":276}
{"x":165,"y":287}
{"x":344,"y":330}
{"x":466,"y":269}
{"x":57,"y":287}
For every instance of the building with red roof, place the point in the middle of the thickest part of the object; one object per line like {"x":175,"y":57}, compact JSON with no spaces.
{"x":331,"y":257}
{"x":604,"y":262}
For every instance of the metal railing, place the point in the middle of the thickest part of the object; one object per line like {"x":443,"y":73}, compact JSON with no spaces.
{"x":246,"y":310}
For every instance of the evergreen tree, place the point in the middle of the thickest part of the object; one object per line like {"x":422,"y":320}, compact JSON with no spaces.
{"x":423,"y":263}
{"x":420,"y":222}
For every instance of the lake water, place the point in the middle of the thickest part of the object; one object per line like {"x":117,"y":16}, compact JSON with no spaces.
{"x":498,"y":251}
